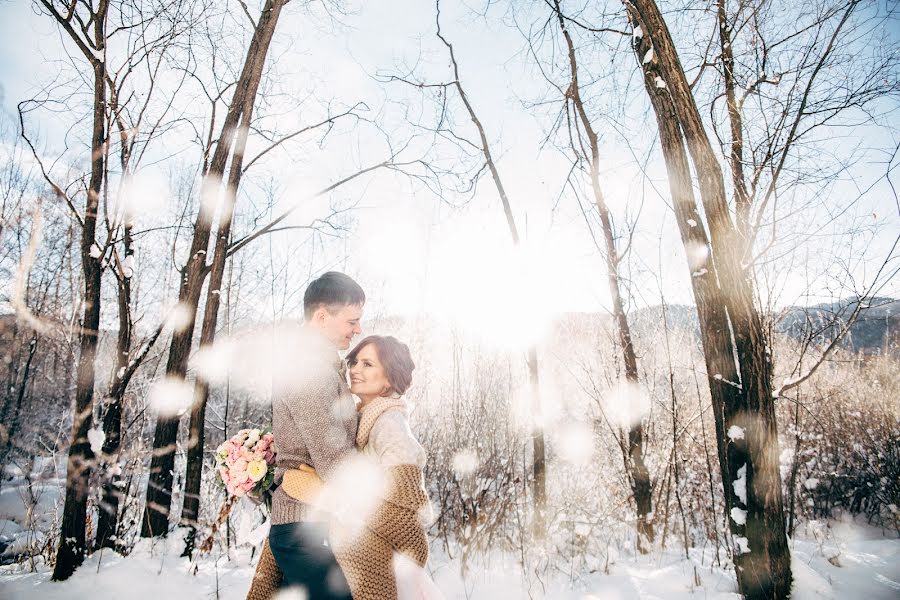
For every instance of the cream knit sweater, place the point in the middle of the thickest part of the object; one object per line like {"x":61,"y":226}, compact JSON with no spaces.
{"x":391,"y":441}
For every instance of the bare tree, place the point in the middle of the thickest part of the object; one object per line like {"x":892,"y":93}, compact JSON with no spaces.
{"x":85,"y":26}
{"x":149,"y":46}
{"x":224,"y":248}
{"x":232,"y":141}
{"x":735,"y":344}
{"x":637,"y":471}
{"x":539,"y":468}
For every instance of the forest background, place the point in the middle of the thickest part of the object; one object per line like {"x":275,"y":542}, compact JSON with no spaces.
{"x":634,"y":248}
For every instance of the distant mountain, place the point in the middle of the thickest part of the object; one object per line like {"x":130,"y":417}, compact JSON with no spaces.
{"x":876,"y":329}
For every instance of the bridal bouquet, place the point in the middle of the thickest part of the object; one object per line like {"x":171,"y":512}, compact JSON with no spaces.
{"x":246,"y":463}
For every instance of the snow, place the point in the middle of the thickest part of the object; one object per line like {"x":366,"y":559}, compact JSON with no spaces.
{"x":700,"y":273}
{"x":739,"y":515}
{"x":180,"y":316}
{"x":697,"y":253}
{"x":99,"y":54}
{"x":626,"y":403}
{"x":96,"y":437}
{"x":638,"y":32}
{"x":830,"y":559}
{"x":792,"y":380}
{"x":869,"y":568}
{"x":648,"y":56}
{"x":692,"y":222}
{"x":575,"y":443}
{"x":660,"y":83}
{"x":8,"y":528}
{"x":735,"y":432}
{"x":171,"y":396}
{"x":128,"y":266}
{"x":95,"y":251}
{"x":718,"y":377}
{"x":465,"y":462}
{"x":24,"y":543}
{"x":740,"y":485}
{"x":811,"y":483}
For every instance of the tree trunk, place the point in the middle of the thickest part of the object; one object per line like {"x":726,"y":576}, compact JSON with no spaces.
{"x":638,"y":474}
{"x":12,"y":422}
{"x":539,"y":466}
{"x":72,"y":542}
{"x":539,"y":460}
{"x":112,"y":418}
{"x":159,"y":489}
{"x":191,"y":507}
{"x":735,"y":120}
{"x":745,"y":415}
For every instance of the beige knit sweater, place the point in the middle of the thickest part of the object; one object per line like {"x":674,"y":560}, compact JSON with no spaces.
{"x":314,"y":416}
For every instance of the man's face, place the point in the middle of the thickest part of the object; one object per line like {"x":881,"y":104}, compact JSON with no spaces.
{"x":341,"y":325}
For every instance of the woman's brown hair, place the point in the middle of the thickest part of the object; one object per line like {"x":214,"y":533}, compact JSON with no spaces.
{"x":394,"y":356}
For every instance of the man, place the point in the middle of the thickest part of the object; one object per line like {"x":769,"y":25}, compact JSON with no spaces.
{"x":314,"y":421}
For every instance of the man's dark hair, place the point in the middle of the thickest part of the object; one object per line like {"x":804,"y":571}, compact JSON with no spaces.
{"x":332,"y":290}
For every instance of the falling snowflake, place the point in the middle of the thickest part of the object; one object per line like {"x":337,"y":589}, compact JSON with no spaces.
{"x":735,"y":433}
{"x":96,"y":437}
{"x":464,"y":463}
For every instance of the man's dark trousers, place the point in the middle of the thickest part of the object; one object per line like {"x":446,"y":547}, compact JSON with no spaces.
{"x":307,"y":562}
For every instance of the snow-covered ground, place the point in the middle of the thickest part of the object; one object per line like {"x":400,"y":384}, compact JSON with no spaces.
{"x":863,"y":564}
{"x":838,"y":559}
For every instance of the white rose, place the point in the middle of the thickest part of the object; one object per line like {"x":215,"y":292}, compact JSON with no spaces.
{"x":252,"y":437}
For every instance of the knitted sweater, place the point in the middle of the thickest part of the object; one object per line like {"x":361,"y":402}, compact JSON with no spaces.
{"x":313,"y":414}
{"x":396,"y":525}
{"x":389,"y":440}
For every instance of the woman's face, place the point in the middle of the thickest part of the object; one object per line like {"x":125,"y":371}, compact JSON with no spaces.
{"x":368,"y":378}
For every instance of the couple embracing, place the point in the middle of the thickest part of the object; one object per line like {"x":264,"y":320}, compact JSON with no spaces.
{"x":320,"y":429}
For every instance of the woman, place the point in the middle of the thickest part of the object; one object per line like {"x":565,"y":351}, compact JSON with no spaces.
{"x":380,"y":372}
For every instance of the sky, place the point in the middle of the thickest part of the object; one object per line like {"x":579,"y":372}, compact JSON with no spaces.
{"x":419,"y":255}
